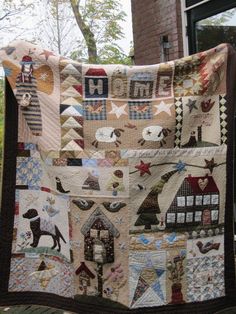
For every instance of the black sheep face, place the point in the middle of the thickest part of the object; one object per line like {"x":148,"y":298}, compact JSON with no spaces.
{"x":31,"y":213}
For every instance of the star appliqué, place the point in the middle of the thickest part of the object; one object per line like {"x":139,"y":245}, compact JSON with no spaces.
{"x":143,"y":168}
{"x":47,"y":54}
{"x":191,"y":105}
{"x":118,"y":111}
{"x":163,"y":107}
{"x":210,"y":164}
{"x":180,"y":166}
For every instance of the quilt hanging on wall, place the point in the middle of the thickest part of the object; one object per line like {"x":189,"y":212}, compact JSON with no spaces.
{"x":117,"y":183}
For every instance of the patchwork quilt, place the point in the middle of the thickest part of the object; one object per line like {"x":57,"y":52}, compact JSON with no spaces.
{"x":117,"y":183}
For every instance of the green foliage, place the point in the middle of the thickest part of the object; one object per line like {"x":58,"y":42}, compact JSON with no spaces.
{"x":219,"y":19}
{"x":99,"y":23}
{"x":111,"y":54}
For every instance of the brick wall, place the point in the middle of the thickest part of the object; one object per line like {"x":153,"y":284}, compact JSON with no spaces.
{"x":151,"y":20}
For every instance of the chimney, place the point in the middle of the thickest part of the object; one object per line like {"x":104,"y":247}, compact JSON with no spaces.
{"x":199,"y":133}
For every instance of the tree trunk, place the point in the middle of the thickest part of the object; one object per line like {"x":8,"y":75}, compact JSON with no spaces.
{"x":58,"y":28}
{"x":100,"y":279}
{"x":86,"y":32}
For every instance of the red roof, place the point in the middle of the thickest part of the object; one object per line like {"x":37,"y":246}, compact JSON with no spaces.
{"x":207,"y":183}
{"x":96,"y":72}
{"x":83,"y":267}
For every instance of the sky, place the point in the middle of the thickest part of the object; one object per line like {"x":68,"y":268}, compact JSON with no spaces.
{"x":30,"y":21}
{"x":127,"y":26}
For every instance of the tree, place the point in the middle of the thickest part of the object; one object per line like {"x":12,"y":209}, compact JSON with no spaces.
{"x":13,"y":15}
{"x":57,"y":26}
{"x":98,"y":22}
{"x":150,"y":206}
{"x":148,"y":210}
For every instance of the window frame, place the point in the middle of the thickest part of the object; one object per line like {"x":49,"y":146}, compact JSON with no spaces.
{"x":203,"y":11}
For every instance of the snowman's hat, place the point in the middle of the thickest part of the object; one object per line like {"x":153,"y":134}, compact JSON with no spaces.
{"x":27,"y":60}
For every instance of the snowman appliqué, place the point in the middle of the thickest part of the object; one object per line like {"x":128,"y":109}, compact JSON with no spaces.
{"x":115,"y":183}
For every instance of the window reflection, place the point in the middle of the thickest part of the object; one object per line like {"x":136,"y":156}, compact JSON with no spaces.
{"x":219,"y":28}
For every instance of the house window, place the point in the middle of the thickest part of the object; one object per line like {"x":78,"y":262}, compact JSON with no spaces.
{"x":214,"y":199}
{"x":198,"y":216}
{"x":93,"y":233}
{"x":190,"y":200}
{"x":180,"y":218}
{"x":189,"y":217}
{"x":206,"y":199}
{"x":171,"y":218}
{"x":104,"y":234}
{"x":214,"y":215}
{"x":198,"y":200}
{"x":181,"y":201}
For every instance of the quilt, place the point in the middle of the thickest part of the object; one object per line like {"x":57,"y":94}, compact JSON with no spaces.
{"x":117,"y":183}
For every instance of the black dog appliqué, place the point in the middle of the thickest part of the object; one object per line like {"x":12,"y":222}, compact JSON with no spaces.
{"x":40,"y":227}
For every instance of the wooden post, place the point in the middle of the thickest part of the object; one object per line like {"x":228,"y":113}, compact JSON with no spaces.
{"x":100,"y":279}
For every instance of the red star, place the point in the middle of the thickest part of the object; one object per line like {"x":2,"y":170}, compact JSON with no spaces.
{"x":143,"y":168}
{"x":47,"y":54}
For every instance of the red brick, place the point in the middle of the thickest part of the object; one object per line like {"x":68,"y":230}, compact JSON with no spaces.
{"x":152,"y":19}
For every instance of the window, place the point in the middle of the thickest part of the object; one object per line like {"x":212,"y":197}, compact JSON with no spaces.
{"x":198,"y":200}
{"x":206,"y":199}
{"x":93,"y":233}
{"x":171,"y":218}
{"x":190,"y":200}
{"x":214,"y":215}
{"x":104,"y":234}
{"x":210,"y":24}
{"x":189,"y":217}
{"x":198,"y":216}
{"x":181,"y":201}
{"x":214,"y":199}
{"x":180,"y":218}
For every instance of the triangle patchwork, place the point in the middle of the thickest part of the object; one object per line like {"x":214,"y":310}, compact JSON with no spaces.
{"x":70,"y":70}
{"x":147,"y":299}
{"x":78,"y":88}
{"x":72,"y":145}
{"x":160,"y":272}
{"x":70,"y":122}
{"x":72,"y":111}
{"x":70,"y":101}
{"x":70,"y":92}
{"x":69,"y":81}
{"x":71,"y":135}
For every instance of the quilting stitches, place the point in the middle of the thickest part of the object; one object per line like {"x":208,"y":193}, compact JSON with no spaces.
{"x":47,"y":275}
{"x":141,"y":85}
{"x":29,"y":171}
{"x":147,"y":279}
{"x":140,"y":110}
{"x":94,"y":110}
{"x":205,"y":278}
{"x":96,"y":83}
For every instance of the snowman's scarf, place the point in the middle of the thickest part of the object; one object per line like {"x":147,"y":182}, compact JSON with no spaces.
{"x":135,"y":164}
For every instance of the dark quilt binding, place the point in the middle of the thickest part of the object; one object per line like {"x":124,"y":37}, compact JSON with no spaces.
{"x":88,"y":304}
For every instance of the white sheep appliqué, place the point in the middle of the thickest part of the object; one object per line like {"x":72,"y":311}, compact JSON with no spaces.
{"x":107,"y":135}
{"x":154,"y":133}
